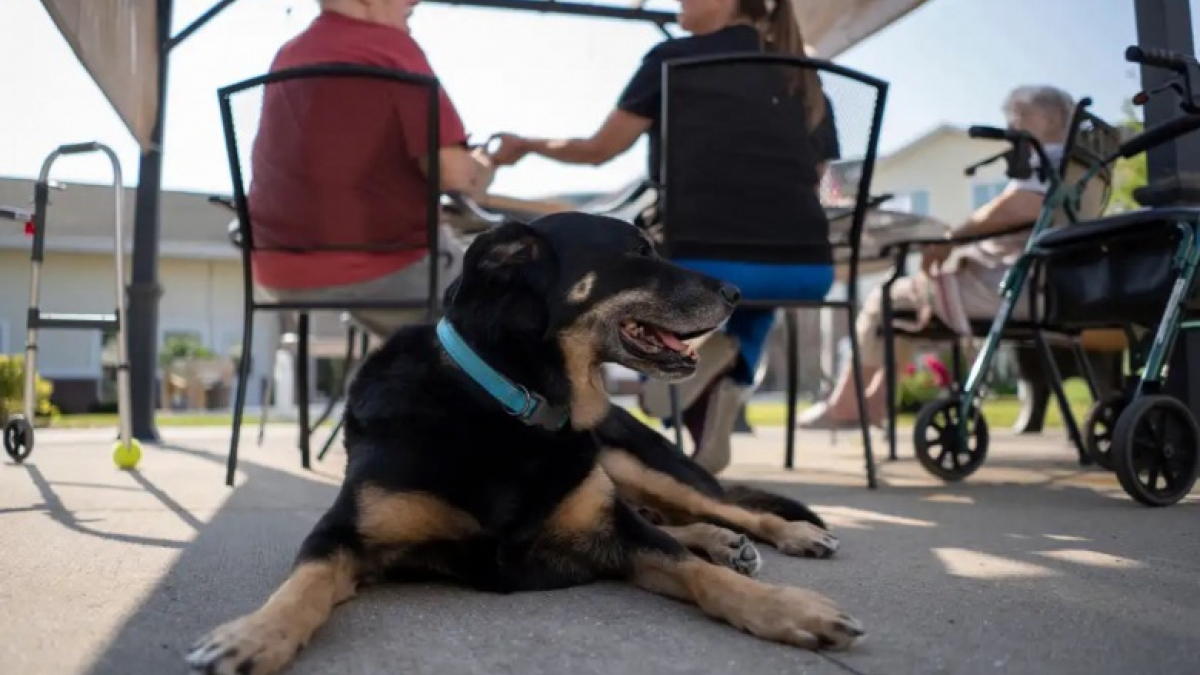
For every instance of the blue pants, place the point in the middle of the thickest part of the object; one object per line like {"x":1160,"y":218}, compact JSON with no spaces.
{"x":761,"y":281}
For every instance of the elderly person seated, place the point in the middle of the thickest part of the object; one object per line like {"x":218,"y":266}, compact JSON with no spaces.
{"x":358,"y":189}
{"x":956,"y":283}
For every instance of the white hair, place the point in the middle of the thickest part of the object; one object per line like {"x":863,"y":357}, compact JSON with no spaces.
{"x":1052,"y":100}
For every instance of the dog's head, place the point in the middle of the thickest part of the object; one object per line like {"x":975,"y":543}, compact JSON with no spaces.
{"x":595,"y":288}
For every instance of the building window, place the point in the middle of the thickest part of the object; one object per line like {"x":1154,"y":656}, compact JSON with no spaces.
{"x":915,"y":201}
{"x":982,"y":193}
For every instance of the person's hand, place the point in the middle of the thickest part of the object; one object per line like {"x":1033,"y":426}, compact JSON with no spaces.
{"x":933,"y":255}
{"x":512,"y":149}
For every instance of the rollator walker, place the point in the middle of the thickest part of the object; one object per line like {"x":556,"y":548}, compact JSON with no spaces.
{"x":1134,"y":271}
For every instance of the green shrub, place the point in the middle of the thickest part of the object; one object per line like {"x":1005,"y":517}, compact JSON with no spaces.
{"x":12,"y":388}
{"x":182,"y":347}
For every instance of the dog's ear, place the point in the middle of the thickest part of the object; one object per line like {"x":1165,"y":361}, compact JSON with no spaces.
{"x":511,"y":252}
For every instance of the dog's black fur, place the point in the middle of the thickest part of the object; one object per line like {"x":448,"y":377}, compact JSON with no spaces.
{"x":442,"y":481}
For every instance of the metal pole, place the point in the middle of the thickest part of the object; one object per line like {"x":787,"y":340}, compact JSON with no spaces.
{"x":1172,"y":169}
{"x":144,"y":290}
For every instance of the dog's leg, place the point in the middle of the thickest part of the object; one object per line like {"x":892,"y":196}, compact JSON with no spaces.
{"x":719,"y":545}
{"x":620,"y":429}
{"x":678,"y":501}
{"x":594,"y":529}
{"x":335,"y":557}
{"x":782,"y":614}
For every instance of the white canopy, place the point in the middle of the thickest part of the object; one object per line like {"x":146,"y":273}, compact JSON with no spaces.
{"x":115,"y":40}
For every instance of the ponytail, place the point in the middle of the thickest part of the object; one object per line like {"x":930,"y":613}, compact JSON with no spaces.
{"x":780,"y":31}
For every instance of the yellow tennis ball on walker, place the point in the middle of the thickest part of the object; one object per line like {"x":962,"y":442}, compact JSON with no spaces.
{"x":127,"y":456}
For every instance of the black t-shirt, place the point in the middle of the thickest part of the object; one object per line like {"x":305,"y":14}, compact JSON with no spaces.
{"x":721,"y":224}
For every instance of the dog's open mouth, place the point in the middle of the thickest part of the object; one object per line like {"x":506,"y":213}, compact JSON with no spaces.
{"x":655,"y":343}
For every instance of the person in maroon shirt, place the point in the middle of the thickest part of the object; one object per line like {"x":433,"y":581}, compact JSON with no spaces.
{"x":340,"y":161}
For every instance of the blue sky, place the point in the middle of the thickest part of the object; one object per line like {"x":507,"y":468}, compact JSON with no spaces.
{"x":949,"y":61}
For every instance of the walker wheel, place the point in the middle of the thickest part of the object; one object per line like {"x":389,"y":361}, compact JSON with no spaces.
{"x":1154,"y":450}
{"x":939,"y":446}
{"x":127,"y":456}
{"x":1098,"y":428}
{"x":18,"y":439}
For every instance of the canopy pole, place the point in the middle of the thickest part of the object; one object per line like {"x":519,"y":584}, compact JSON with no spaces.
{"x":145,"y":291}
{"x":1172,"y":169}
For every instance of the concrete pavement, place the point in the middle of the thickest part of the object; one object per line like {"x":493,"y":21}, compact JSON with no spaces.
{"x":1034,"y":566}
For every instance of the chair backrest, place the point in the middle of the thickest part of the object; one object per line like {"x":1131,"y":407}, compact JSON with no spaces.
{"x":342,"y":142}
{"x":1089,"y":141}
{"x":738,"y":158}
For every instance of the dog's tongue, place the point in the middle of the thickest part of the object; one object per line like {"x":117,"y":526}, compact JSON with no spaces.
{"x":668,"y":338}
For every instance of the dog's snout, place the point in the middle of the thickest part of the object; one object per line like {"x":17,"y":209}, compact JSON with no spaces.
{"x":730,"y":293}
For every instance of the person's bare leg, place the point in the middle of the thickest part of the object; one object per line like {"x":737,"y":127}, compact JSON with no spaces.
{"x":841,"y":407}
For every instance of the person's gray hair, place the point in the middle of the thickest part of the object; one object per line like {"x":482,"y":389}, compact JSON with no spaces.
{"x":1043,"y":97}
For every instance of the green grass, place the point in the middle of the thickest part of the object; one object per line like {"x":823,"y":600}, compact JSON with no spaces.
{"x":1000,"y":413}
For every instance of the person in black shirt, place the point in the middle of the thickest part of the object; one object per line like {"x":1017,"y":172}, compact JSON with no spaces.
{"x":802,"y":268}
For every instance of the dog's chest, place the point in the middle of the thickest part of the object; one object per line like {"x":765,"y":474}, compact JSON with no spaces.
{"x":514,"y":500}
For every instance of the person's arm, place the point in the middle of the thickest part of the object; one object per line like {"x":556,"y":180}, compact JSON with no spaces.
{"x":619,"y":132}
{"x":1013,"y":207}
{"x":461,"y":170}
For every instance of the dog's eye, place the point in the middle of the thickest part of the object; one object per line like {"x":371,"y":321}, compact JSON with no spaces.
{"x":645,"y":249}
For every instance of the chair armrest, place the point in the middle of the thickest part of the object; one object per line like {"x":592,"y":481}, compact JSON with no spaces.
{"x":235,"y":234}
{"x":222,"y":200}
{"x":468,"y":206}
{"x":13,"y":213}
{"x":904,"y":245}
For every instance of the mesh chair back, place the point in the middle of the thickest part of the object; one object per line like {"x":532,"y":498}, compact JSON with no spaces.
{"x":369,"y":125}
{"x":1089,"y":141}
{"x":739,"y":159}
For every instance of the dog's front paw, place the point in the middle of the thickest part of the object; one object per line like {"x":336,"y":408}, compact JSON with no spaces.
{"x":798,"y":617}
{"x":246,"y":646}
{"x":733,"y":550}
{"x":805,"y":540}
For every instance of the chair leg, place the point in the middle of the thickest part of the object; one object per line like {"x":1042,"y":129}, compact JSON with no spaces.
{"x":1060,"y":394}
{"x":1086,"y":369}
{"x":337,"y":429}
{"x":677,"y":418}
{"x":268,"y":390}
{"x":956,"y":358}
{"x":889,"y":366}
{"x":346,"y":377}
{"x":302,"y":387}
{"x":348,"y":360}
{"x":861,"y":394}
{"x":240,"y":397}
{"x":793,"y":385}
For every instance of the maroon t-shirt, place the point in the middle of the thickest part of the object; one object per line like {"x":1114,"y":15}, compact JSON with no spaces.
{"x":335,"y":159}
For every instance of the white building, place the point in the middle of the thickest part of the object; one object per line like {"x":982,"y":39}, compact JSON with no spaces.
{"x":199,"y":270}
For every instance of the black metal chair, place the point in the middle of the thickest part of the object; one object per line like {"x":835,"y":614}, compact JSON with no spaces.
{"x":733,"y":134}
{"x":352,"y":89}
{"x":1088,"y":138}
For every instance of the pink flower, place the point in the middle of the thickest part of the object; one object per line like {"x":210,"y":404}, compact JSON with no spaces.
{"x":941,"y":375}
{"x":910,"y":369}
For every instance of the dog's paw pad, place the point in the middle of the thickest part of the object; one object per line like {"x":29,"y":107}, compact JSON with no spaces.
{"x":743,"y":556}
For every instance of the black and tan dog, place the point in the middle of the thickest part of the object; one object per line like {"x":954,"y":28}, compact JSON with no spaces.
{"x":485,"y":451}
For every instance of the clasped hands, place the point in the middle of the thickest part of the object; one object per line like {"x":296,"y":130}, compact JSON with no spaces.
{"x":933,"y":255}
